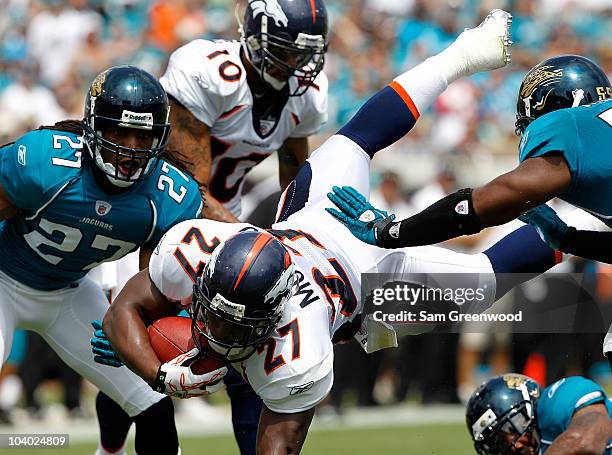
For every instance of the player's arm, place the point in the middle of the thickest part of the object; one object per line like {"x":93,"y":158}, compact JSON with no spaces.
{"x":292,"y":154}
{"x":532,"y":183}
{"x":583,"y":241}
{"x":7,"y":209}
{"x":189,"y":145}
{"x":125,"y":324}
{"x":467,"y":211}
{"x":280,"y":434}
{"x":588,"y":433}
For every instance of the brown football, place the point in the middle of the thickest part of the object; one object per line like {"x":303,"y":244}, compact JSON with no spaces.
{"x":171,"y":337}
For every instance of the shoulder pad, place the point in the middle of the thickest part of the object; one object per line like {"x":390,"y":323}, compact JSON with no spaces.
{"x":39,"y":161}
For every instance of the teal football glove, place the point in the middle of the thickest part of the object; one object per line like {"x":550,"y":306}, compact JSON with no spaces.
{"x":363,"y":220}
{"x":102,"y":349}
{"x":550,"y":227}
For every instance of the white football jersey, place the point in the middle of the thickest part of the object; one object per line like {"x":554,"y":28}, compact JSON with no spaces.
{"x":293,"y":370}
{"x":209,"y":79}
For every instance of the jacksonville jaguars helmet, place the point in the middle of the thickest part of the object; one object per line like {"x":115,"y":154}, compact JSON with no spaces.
{"x":123,"y":99}
{"x":284,"y":38}
{"x":240,"y":295}
{"x":558,"y":83}
{"x":501,"y":411}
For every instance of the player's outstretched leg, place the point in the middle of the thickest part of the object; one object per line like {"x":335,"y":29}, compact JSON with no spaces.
{"x":392,"y":112}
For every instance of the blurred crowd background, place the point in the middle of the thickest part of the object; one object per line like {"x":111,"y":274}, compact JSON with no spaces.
{"x":50,"y":51}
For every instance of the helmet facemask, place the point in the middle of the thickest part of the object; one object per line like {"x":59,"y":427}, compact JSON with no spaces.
{"x":501,"y":435}
{"x":277,"y":59}
{"x":126,"y":165}
{"x":228,"y":331}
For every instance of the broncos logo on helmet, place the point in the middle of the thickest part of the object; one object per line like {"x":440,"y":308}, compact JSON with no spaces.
{"x":272,"y":9}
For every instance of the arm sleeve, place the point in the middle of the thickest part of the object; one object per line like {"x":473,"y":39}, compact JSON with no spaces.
{"x":189,"y":80}
{"x":382,"y":120}
{"x":588,"y":244}
{"x":555,"y":132}
{"x":316,"y":113}
{"x":561,"y":400}
{"x":20,"y":172}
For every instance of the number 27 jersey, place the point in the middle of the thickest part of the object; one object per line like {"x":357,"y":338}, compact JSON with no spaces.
{"x":293,"y":370}
{"x":66,"y":224}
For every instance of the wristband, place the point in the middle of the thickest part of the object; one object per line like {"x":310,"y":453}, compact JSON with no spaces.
{"x":159,"y":385}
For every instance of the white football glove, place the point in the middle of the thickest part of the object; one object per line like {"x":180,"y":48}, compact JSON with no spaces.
{"x":176,"y":379}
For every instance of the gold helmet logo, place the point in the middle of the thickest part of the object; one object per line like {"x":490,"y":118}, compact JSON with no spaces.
{"x":96,"y":86}
{"x":544,"y":75}
{"x":518,"y":382}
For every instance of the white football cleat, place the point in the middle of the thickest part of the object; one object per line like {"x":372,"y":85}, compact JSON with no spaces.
{"x":486,"y":47}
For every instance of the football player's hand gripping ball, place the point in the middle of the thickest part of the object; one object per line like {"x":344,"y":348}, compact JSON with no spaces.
{"x":176,"y":379}
{"x":101,"y":347}
{"x":550,"y":227}
{"x":363,"y":220}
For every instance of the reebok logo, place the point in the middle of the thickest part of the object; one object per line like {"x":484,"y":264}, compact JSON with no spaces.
{"x":137,"y":119}
{"x":21,"y":155}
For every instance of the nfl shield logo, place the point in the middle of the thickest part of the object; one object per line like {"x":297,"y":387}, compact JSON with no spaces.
{"x":265,"y":126}
{"x":102,"y":208}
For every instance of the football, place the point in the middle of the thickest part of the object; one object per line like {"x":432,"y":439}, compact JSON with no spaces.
{"x":171,"y":337}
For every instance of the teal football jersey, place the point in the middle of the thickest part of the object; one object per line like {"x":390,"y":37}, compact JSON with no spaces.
{"x":561,"y":400}
{"x":66,"y":224}
{"x":584,"y":136}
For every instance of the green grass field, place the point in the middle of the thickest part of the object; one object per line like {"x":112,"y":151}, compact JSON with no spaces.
{"x":430,"y":440}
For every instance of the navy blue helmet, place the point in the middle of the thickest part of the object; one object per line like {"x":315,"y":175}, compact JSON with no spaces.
{"x":240,"y":296}
{"x":125,"y":99}
{"x":558,"y":83}
{"x":502,"y":411}
{"x":284,"y":38}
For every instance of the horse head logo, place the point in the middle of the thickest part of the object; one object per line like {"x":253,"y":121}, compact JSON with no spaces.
{"x":271,"y":9}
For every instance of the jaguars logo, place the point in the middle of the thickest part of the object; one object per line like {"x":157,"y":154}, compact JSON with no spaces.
{"x":514,"y":381}
{"x":96,"y":86}
{"x":544,"y":75}
{"x":519,"y":382}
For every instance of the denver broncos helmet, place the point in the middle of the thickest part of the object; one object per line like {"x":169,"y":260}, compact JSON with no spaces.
{"x":558,"y":83}
{"x":240,"y":296}
{"x":121,"y":99}
{"x":284,"y":38}
{"x":501,"y":411}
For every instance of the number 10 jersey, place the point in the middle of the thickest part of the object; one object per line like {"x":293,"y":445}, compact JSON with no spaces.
{"x":209,"y":79}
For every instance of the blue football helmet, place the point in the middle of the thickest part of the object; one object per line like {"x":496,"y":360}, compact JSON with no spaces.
{"x":240,"y":295}
{"x":284,"y":38}
{"x":502,"y":411}
{"x":558,"y":83}
{"x":125,"y":99}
